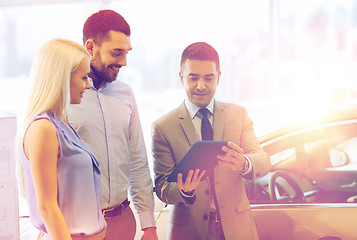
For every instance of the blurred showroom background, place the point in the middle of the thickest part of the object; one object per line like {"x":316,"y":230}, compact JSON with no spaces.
{"x":285,"y":61}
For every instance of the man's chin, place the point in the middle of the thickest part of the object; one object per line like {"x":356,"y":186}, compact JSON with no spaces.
{"x":113,"y":78}
{"x":110,"y":79}
{"x":201,"y":104}
{"x":200,"y":101}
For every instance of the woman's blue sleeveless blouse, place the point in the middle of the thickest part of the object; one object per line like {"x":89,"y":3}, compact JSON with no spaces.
{"x":78,"y":179}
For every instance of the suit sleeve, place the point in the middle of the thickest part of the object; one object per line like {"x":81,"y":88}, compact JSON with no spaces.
{"x":164,"y":163}
{"x":259,"y":158}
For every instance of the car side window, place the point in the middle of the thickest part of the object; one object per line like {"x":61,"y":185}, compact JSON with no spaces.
{"x":281,"y":156}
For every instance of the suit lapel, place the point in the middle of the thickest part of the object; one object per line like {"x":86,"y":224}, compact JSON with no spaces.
{"x":218,"y":121}
{"x":187,"y":125}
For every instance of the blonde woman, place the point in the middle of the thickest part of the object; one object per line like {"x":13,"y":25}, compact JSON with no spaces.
{"x":58,"y":172}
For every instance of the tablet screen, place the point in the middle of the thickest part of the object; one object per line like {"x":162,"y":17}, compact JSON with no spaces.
{"x":201,"y":155}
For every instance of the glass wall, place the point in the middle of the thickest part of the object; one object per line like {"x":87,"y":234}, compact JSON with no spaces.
{"x":315,"y":49}
{"x":318,"y":53}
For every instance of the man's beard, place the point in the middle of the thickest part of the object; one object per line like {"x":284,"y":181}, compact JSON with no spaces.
{"x":101,"y":71}
{"x":102,"y":74}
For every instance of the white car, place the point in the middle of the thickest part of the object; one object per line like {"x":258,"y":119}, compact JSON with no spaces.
{"x":311,"y":190}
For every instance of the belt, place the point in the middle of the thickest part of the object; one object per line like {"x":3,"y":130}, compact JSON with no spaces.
{"x":115,"y":211}
{"x":96,"y":236}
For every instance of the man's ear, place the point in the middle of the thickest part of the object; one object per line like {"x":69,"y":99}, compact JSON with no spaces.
{"x":219,"y":77}
{"x":89,"y":45}
{"x":181,"y":78}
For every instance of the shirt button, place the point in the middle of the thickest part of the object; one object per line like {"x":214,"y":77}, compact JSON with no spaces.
{"x":205,"y":217}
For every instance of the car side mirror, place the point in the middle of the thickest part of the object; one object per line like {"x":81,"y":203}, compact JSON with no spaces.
{"x":338,"y":157}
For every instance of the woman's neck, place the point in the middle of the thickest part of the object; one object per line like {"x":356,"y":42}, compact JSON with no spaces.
{"x":60,"y":115}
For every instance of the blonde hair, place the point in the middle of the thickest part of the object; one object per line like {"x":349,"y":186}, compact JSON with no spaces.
{"x":50,"y":76}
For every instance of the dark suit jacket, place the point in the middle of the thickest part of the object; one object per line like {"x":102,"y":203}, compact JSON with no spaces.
{"x":173,"y":135}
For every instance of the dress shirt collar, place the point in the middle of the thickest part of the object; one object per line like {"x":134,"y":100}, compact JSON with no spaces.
{"x":193,"y":109}
{"x":102,"y":85}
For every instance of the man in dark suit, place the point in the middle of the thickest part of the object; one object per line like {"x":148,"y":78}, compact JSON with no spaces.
{"x":217,"y":207}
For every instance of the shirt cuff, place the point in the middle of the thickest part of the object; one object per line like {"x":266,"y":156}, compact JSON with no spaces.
{"x":188,"y":195}
{"x":248,"y":169}
{"x":147,"y":219}
{"x":189,"y":198}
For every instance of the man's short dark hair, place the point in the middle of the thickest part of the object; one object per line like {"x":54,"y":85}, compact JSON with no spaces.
{"x":100,"y":23}
{"x":200,"y":51}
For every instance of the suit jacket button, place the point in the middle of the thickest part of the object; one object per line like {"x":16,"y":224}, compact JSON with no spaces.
{"x":205,"y":217}
{"x":207,"y":192}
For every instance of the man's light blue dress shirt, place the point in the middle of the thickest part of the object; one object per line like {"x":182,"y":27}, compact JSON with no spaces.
{"x":108,"y":121}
